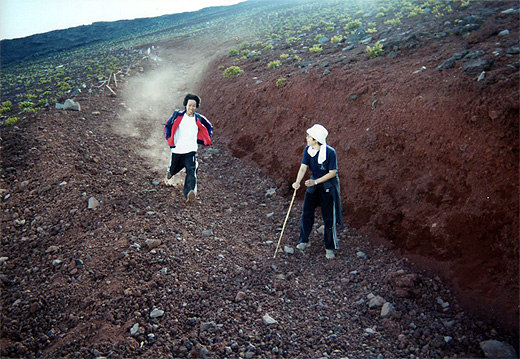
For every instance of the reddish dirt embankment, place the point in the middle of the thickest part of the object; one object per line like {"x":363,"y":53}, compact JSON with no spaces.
{"x":100,"y":258}
{"x":428,"y":158}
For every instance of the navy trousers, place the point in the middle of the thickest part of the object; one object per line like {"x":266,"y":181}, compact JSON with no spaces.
{"x":322,"y":197}
{"x":189,"y":162}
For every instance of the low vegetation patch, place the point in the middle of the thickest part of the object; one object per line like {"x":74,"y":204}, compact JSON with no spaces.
{"x":274,"y":64}
{"x":296,"y":33}
{"x":280,"y":82}
{"x":232,"y":71}
{"x":375,"y":51}
{"x":316,"y":48}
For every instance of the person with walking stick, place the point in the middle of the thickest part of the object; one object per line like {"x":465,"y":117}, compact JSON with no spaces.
{"x":322,"y":189}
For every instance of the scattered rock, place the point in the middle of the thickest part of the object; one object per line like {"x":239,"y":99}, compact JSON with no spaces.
{"x":270,"y":192}
{"x":69,"y":105}
{"x":376,"y":302}
{"x":405,"y":285}
{"x":156,"y":313}
{"x":240,"y":296}
{"x":93,"y":203}
{"x":207,"y":233}
{"x":387,"y":310}
{"x":153,"y":243}
{"x":494,"y":349}
{"x":135,"y":329}
{"x":206,"y":326}
{"x":268,"y":320}
{"x":361,"y":254}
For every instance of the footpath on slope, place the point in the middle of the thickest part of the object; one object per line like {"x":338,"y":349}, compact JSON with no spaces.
{"x":401,"y":280}
{"x":144,"y":275}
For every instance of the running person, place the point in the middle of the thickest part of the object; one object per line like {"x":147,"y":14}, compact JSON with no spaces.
{"x":184,"y":131}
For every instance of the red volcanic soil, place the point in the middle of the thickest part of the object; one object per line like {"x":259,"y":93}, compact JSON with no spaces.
{"x":428,"y":163}
{"x":428,"y":158}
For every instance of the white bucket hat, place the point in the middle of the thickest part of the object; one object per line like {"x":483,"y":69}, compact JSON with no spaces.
{"x":319,"y":133}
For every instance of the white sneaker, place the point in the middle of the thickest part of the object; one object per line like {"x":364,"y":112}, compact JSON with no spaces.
{"x":190,"y":197}
{"x":302,"y":245}
{"x":329,"y":253}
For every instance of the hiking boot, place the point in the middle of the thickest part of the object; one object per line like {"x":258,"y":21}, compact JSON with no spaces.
{"x":329,"y":253}
{"x":190,"y":197}
{"x":302,"y":245}
{"x":168,"y":175}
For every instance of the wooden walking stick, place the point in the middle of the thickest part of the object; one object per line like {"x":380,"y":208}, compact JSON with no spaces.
{"x":285,"y":222}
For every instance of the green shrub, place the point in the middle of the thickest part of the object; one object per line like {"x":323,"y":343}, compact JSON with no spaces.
{"x":284,"y":56}
{"x":336,"y":39}
{"x":11,"y":121}
{"x":233,"y":52}
{"x":415,"y":11}
{"x":6,"y":107}
{"x":393,"y":22}
{"x":352,"y":25}
{"x":297,"y":58}
{"x":316,"y":48}
{"x":437,"y":11}
{"x":245,"y":52}
{"x":274,"y":64}
{"x":280,"y":82}
{"x":232,"y":71}
{"x":64,"y":86}
{"x":291,"y":40}
{"x":25,"y":105}
{"x":375,"y":51}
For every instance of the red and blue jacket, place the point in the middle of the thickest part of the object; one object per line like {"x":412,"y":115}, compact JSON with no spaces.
{"x":203,"y":135}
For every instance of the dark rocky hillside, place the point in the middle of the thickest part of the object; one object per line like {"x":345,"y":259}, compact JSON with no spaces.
{"x":102,"y":258}
{"x":112,"y":33}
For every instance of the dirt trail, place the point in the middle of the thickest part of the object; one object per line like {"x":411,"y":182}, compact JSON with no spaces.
{"x":151,"y":97}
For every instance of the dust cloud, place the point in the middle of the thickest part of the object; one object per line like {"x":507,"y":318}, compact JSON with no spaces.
{"x":151,"y":97}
